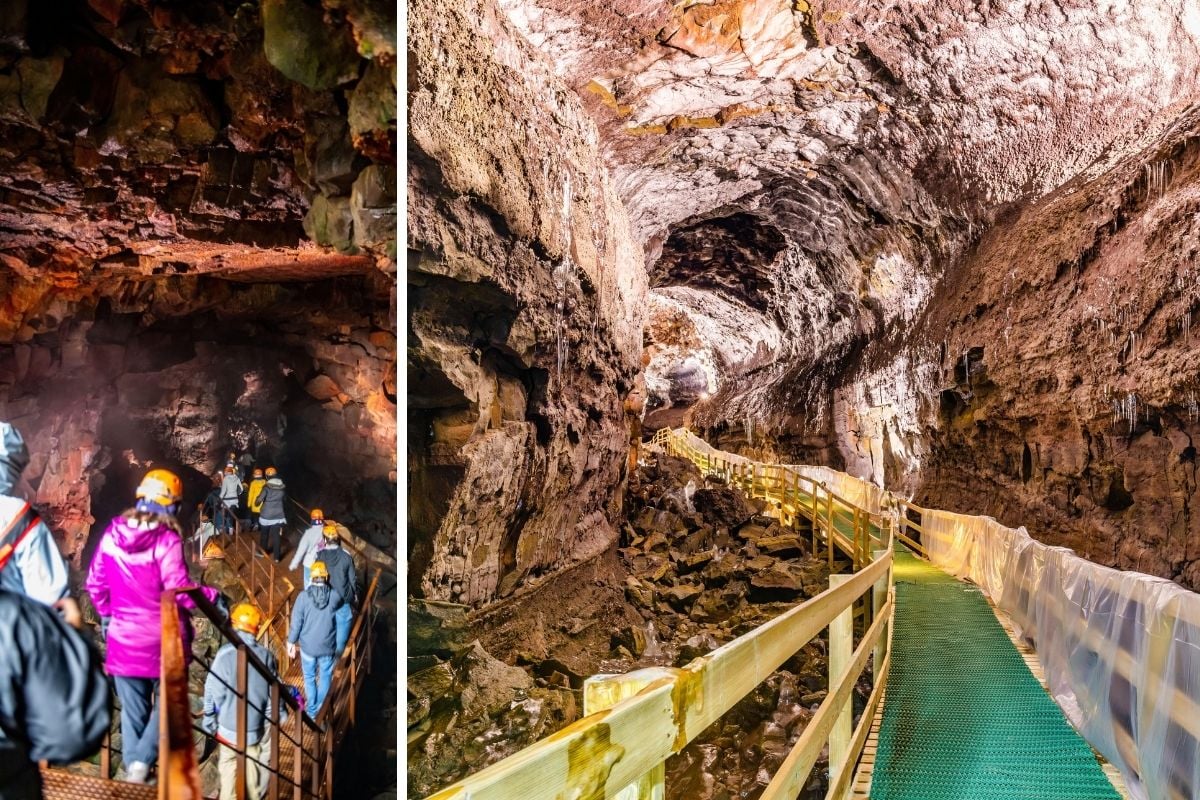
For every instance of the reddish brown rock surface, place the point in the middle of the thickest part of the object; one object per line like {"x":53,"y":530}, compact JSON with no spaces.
{"x":838,"y":204}
{"x":159,"y":297}
{"x":525,"y":313}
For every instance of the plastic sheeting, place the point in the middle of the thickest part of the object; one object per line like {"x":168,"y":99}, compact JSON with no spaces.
{"x":1121,"y":650}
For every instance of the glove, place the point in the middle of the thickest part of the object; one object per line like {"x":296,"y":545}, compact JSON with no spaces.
{"x":209,"y":724}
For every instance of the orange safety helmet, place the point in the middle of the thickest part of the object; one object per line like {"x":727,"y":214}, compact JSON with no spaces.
{"x":245,"y":617}
{"x":316,"y":515}
{"x":161,"y":487}
{"x":258,"y":473}
{"x":271,"y":472}
{"x":229,"y":469}
{"x":319,"y":570}
{"x":330,"y":530}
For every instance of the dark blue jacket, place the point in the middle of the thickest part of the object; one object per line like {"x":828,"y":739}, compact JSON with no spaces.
{"x":54,"y":697}
{"x":342,"y":576}
{"x":313,"y":623}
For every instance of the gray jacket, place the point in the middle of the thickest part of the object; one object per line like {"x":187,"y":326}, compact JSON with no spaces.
{"x":36,"y":568}
{"x":274,"y":495}
{"x":313,"y":622}
{"x":342,"y":576}
{"x":220,"y":693}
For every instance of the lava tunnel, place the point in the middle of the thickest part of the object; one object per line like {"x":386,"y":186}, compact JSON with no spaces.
{"x":710,"y":302}
{"x":198,"y":258}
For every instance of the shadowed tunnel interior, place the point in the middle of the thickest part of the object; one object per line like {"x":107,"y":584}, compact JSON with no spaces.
{"x":947,"y":248}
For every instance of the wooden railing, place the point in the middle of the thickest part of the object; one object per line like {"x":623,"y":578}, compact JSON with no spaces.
{"x":837,"y":523}
{"x":635,"y":721}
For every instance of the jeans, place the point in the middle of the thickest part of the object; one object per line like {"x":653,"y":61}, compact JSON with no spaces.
{"x":139,"y":719}
{"x":269,"y":538}
{"x":257,"y":776}
{"x":343,"y":618}
{"x":318,"y":673}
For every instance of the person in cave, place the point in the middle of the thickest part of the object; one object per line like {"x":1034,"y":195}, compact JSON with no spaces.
{"x":231,"y":491}
{"x":310,"y":544}
{"x":254,"y":497}
{"x":314,"y":633}
{"x":343,"y":578}
{"x":245,"y":462}
{"x":54,"y":699}
{"x":139,"y":557}
{"x":273,"y":515}
{"x":30,"y":563}
{"x":221,"y":707}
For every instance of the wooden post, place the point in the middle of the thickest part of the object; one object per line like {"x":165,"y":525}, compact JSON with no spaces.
{"x":841,"y":645}
{"x":298,"y":757}
{"x":856,"y":523}
{"x":106,"y":757}
{"x":829,"y":523}
{"x":601,"y":692}
{"x":351,"y":701}
{"x":879,"y":595}
{"x":315,"y":765}
{"x":178,"y":773}
{"x":328,"y":755}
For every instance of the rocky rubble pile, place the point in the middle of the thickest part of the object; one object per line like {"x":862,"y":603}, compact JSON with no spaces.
{"x":466,"y":708}
{"x":707,"y":564}
{"x":702,"y":555}
{"x":702,"y":565}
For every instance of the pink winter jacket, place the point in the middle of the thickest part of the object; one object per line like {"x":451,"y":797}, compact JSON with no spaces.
{"x":133,"y":565}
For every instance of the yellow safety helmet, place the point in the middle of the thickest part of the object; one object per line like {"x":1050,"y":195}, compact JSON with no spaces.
{"x":271,"y":471}
{"x":258,"y":473}
{"x":245,"y":617}
{"x":330,"y":531}
{"x":161,"y":487}
{"x":319,"y":570}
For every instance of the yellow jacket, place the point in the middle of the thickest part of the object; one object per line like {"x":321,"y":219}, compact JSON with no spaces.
{"x":254,"y":499}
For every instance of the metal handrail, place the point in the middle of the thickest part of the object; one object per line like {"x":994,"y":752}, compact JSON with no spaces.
{"x":179,"y":773}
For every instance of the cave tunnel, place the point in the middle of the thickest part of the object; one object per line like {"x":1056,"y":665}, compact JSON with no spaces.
{"x":941,"y":254}
{"x":197,"y":256}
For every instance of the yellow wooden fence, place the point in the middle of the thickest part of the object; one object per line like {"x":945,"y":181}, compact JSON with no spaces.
{"x":634,"y":722}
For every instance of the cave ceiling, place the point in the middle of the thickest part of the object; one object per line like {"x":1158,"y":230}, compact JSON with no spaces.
{"x":251,"y":142}
{"x":824,"y":163}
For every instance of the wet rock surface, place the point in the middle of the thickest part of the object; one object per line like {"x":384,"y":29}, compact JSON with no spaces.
{"x":687,"y":577}
{"x":525,"y":311}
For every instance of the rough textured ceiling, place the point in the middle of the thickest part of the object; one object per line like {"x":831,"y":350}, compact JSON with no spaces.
{"x":876,"y":141}
{"x":147,"y":137}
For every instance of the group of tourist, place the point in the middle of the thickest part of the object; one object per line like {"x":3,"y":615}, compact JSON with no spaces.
{"x":52,"y":688}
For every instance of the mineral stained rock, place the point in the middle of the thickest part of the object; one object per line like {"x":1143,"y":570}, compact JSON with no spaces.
{"x":525,"y":315}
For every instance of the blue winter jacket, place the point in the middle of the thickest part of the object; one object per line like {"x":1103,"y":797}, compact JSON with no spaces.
{"x":313,"y":622}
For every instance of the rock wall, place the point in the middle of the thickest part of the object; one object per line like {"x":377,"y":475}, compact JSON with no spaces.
{"x":525,"y":313}
{"x":177,"y":371}
{"x":1069,"y":399}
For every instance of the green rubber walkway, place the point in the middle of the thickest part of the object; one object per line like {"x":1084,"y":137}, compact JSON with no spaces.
{"x":964,"y":718}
